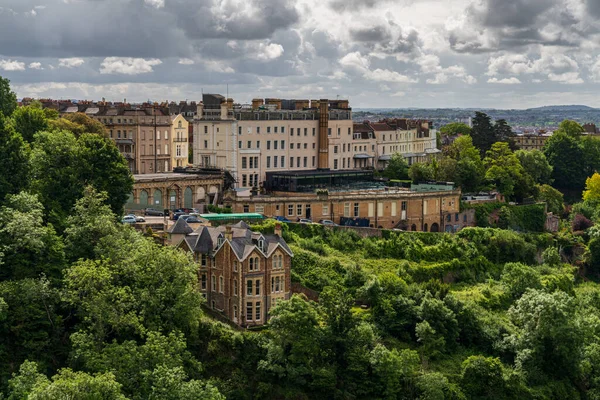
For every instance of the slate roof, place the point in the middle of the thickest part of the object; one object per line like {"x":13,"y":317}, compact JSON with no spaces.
{"x":181,"y":227}
{"x":205,"y":240}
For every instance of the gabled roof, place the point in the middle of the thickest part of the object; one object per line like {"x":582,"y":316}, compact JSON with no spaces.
{"x":181,"y":227}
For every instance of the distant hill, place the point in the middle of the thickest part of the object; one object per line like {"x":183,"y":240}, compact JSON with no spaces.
{"x":563,"y":108}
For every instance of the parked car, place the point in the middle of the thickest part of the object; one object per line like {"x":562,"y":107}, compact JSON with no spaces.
{"x":305,"y":221}
{"x":327,"y":222}
{"x":138,"y":218}
{"x":128,"y":219}
{"x":281,"y":219}
{"x":192,"y":219}
{"x":176,"y":215}
{"x":154,"y":212}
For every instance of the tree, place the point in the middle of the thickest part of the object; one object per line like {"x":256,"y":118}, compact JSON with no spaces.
{"x":455,"y":129}
{"x":506,"y":172}
{"x":553,"y":198}
{"x":28,"y":247}
{"x":536,"y":165}
{"x":591,"y":193}
{"x":517,"y":278}
{"x":483,"y":132}
{"x":504,"y":133}
{"x":548,"y":341}
{"x":570,"y":128}
{"x":67,"y":384}
{"x":397,"y":167}
{"x":134,"y":286}
{"x":565,"y":155}
{"x":91,"y":221}
{"x":14,"y":159}
{"x":78,"y":124}
{"x":8,"y":98}
{"x":62,"y":166}
{"x":483,"y":378}
{"x":29,"y":120}
{"x":421,"y":172}
{"x":440,"y":318}
{"x":394,"y":372}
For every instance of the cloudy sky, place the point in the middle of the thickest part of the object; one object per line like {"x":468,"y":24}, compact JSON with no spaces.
{"x":377,"y":53}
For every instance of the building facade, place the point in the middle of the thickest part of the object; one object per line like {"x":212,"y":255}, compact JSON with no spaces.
{"x":531,"y":141}
{"x":386,"y":208}
{"x":242,"y":274}
{"x":179,"y":141}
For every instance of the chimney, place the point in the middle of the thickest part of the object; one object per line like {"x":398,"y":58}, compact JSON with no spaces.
{"x":200,"y":109}
{"x":224,"y":110}
{"x":228,"y":233}
{"x":278,"y":231}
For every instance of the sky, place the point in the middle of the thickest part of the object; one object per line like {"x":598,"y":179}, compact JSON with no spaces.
{"x":376,"y":53}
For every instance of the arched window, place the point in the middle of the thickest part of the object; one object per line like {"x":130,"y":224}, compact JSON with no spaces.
{"x":251,"y":264}
{"x":256,"y":264}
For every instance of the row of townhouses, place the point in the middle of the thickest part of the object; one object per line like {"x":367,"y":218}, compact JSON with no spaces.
{"x":250,"y":140}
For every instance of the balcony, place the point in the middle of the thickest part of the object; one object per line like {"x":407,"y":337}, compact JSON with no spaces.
{"x":180,"y":140}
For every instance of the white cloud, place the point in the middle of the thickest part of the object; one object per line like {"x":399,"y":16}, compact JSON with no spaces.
{"x":218,"y":66}
{"x":385,"y":75}
{"x":266,"y":52}
{"x":12,"y":65}
{"x":70,"y":62}
{"x":155,"y":3}
{"x":35,"y":65}
{"x":505,"y":81}
{"x":128,"y":65}
{"x":359,"y":63}
{"x":185,"y":61}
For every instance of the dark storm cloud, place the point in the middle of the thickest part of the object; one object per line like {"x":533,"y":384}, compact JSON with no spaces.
{"x":373,"y":34}
{"x":132,"y":28}
{"x":493,"y":25}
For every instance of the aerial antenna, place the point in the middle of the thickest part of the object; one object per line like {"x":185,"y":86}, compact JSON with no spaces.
{"x":227,"y":92}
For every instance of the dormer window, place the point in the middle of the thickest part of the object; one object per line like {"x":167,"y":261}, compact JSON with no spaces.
{"x":261,"y":244}
{"x":220,"y":241}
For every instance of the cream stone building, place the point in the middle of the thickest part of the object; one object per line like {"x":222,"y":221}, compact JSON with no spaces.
{"x":179,"y":141}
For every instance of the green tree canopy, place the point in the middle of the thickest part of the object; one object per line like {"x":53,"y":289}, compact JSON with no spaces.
{"x":483,"y":132}
{"x":29,"y":120}
{"x":553,"y":198}
{"x":570,"y":128}
{"x":506,"y":172}
{"x":567,"y":158}
{"x":591,"y":193}
{"x":8,"y":98}
{"x":78,"y":124}
{"x":421,"y":172}
{"x":397,"y":167}
{"x":14,"y":160}
{"x":536,"y":165}
{"x":455,"y":128}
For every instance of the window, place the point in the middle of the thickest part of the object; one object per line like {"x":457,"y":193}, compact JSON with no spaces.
{"x":306,"y":131}
{"x":274,"y":161}
{"x":283,"y":145}
{"x":305,"y":161}
{"x":292,"y":146}
{"x":205,"y":129}
{"x":346,"y":209}
{"x":167,"y":135}
{"x":256,"y":259}
{"x":282,"y":161}
{"x":257,"y":311}
{"x":158,"y":135}
{"x":314,"y":131}
{"x":221,"y":284}
{"x":249,"y":287}
{"x":335,"y":149}
{"x":328,"y":131}
{"x":268,"y":129}
{"x":298,"y":162}
{"x":239,"y":130}
{"x":235,"y":266}
{"x":248,"y":311}
{"x":203,"y":280}
{"x":204,"y":259}
{"x":275,"y":129}
{"x":257,"y":287}
{"x":299,"y":209}
{"x":335,"y":164}
{"x":314,"y":146}
{"x":206,"y":144}
{"x":349,"y":131}
{"x":283,"y":129}
{"x":343,"y":163}
{"x":235,"y":313}
{"x":268,"y":161}
{"x":292,"y":162}
{"x":235,"y":287}
{"x":394,"y":206}
{"x":268,"y":145}
{"x":313,"y":161}
{"x":339,"y":131}
{"x":244,"y":163}
{"x":251,"y":264}
{"x":246,"y":206}
{"x":251,"y":165}
{"x":259,"y":209}
{"x":456,"y":218}
{"x":258,"y":144}
{"x":258,"y":129}
{"x":356,"y":209}
{"x":275,"y":145}
{"x":325,"y":208}
{"x":244,"y":180}
{"x":291,"y":131}
{"x":403,"y":206}
{"x":214,"y":283}
{"x":249,"y":144}
{"x":290,"y":210}
{"x":240,"y":145}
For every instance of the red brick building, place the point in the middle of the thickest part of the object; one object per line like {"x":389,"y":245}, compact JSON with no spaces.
{"x":242,"y":274}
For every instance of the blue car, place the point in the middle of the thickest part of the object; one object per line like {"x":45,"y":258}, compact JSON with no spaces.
{"x":281,"y":219}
